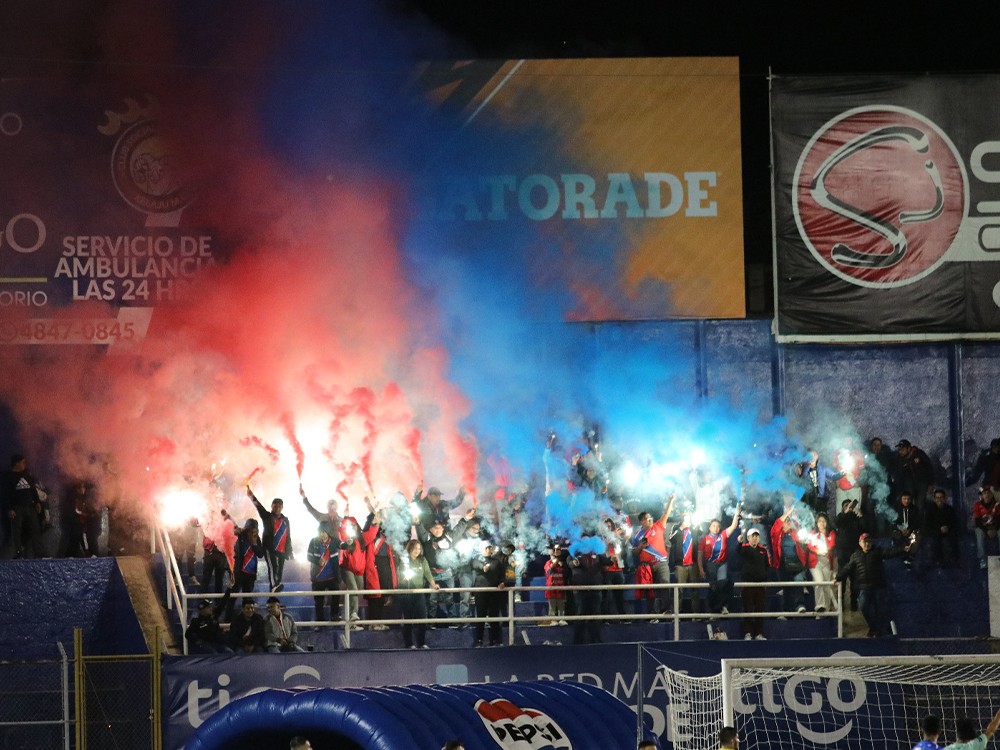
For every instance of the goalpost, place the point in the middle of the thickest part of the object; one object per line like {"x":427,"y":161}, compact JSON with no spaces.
{"x":831,"y":702}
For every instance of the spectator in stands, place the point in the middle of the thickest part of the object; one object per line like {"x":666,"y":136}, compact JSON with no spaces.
{"x":820,"y":545}
{"x":214,"y":566}
{"x":941,"y":530}
{"x":987,"y":466}
{"x":246,"y":629}
{"x":277,"y":538}
{"x":614,"y":568}
{"x":280,"y":632}
{"x":816,"y":479}
{"x":80,"y":520}
{"x":331,"y":514}
{"x":965,"y":730}
{"x":555,"y":570}
{"x":588,"y":566}
{"x":246,"y":553}
{"x":380,"y":564}
{"x":415,"y":574}
{"x":649,"y":545}
{"x":440,"y":555}
{"x":880,"y":453}
{"x":915,"y":472}
{"x":713,"y":562}
{"x":849,"y":463}
{"x":353,"y":564}
{"x":510,"y":576}
{"x":490,"y":567}
{"x":848,"y":534}
{"x":986,"y":517}
{"x":431,"y":507}
{"x":468,"y":538}
{"x":908,"y":525}
{"x":204,"y":636}
{"x":756,"y":568}
{"x":866,"y":565}
{"x":185,"y":543}
{"x":21,"y":500}
{"x":930,"y":730}
{"x":728,"y":739}
{"x":299,"y":743}
{"x":324,"y":570}
{"x":789,"y":558}
{"x":684,"y":555}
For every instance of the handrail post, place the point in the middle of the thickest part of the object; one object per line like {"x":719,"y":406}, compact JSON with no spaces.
{"x":347,"y":617}
{"x":65,"y":694}
{"x":510,"y":616}
{"x":677,"y":610}
{"x":80,"y":687}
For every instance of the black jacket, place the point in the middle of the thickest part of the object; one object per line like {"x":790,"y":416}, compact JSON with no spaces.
{"x":490,"y":570}
{"x":867,"y":568}
{"x":848,"y":533}
{"x":935,"y":518}
{"x":909,"y":518}
{"x":267,"y":521}
{"x":205,"y":629}
{"x":756,"y":563}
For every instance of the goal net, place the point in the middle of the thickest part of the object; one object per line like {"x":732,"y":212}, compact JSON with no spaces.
{"x":835,"y":702}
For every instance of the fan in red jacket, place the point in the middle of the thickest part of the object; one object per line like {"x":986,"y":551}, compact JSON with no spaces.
{"x":380,"y":564}
{"x":789,"y":556}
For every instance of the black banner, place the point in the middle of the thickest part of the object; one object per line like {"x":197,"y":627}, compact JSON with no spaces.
{"x":887,"y":207}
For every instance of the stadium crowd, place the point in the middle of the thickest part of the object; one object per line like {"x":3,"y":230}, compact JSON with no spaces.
{"x":837,"y":516}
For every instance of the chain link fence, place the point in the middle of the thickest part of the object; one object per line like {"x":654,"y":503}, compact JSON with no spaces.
{"x":35,"y":708}
{"x":117,"y":703}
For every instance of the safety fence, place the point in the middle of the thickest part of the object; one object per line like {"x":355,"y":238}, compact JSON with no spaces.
{"x":117,"y":700}
{"x":81,"y":702}
{"x":674,"y":594}
{"x":35,"y":706}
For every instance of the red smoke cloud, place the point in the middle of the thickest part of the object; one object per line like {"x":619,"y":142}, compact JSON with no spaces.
{"x":307,"y":351}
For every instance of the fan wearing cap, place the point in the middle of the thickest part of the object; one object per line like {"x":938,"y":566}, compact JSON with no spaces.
{"x":280,"y":631}
{"x":204,"y":636}
{"x":866,"y":567}
{"x":431,"y":507}
{"x":756,"y":569}
{"x":986,"y":516}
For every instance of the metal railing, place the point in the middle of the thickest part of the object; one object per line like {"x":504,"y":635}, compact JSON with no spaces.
{"x":178,"y":596}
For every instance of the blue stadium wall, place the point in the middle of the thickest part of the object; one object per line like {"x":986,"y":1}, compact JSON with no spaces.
{"x":43,"y":601}
{"x":940,"y":396}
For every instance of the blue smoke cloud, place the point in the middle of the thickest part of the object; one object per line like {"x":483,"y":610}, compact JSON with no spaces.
{"x":354,"y":96}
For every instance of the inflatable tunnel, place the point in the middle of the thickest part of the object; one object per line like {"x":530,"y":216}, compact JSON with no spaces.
{"x":517,"y":715}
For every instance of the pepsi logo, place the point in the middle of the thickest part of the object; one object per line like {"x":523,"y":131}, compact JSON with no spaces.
{"x":515,"y":728}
